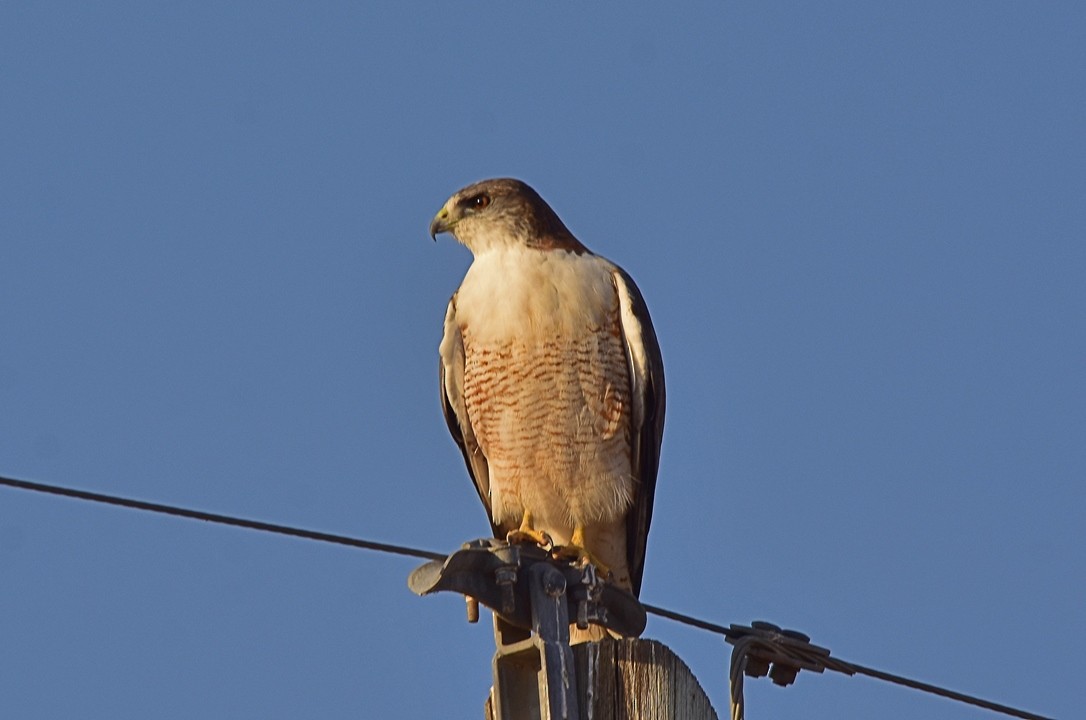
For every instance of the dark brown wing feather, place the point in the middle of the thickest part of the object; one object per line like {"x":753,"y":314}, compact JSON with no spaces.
{"x":450,"y":381}
{"x":646,"y":438}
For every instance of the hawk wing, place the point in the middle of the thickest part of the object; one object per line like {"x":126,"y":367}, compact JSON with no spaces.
{"x":451,"y":367}
{"x":646,"y":369}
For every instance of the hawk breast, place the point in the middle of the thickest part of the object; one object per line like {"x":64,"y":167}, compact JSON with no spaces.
{"x":546,"y":386}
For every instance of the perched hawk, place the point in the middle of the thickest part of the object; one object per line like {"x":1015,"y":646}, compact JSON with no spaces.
{"x":551,"y":381}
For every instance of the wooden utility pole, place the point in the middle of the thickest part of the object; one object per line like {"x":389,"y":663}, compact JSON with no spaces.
{"x":624,"y":679}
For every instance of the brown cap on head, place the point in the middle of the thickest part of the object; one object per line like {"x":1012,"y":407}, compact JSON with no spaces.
{"x":503,"y":211}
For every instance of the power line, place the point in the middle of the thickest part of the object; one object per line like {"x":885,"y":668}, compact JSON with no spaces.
{"x":220,"y":519}
{"x":944,"y":692}
{"x":764,"y":649}
{"x":687,"y":620}
{"x":729,"y":633}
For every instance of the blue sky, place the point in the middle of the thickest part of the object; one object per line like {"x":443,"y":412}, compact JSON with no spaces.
{"x":860,"y":229}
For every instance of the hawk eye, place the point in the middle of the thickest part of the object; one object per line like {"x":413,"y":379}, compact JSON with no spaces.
{"x":479,"y":201}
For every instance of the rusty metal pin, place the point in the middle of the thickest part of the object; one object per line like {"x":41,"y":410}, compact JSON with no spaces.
{"x":473,"y":609}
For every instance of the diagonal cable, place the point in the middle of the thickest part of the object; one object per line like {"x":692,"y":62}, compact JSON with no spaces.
{"x":221,"y":519}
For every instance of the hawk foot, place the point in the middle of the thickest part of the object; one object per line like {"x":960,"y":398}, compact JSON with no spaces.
{"x":530,"y":536}
{"x":526,"y":533}
{"x":577,"y":554}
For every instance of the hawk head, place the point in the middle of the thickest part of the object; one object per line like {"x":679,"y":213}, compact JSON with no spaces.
{"x":502,"y":213}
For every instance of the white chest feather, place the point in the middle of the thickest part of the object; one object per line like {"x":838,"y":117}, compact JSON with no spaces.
{"x":523,"y":293}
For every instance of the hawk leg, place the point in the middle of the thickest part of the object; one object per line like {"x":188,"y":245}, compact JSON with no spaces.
{"x":526,"y":533}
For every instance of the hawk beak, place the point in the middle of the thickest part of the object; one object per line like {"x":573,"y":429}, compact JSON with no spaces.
{"x":440,"y":224}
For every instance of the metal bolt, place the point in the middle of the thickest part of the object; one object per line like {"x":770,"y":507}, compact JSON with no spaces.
{"x":582,"y":614}
{"x":783,"y":675}
{"x":756,"y":668}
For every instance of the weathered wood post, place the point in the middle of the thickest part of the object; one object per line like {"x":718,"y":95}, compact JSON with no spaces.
{"x":624,"y":679}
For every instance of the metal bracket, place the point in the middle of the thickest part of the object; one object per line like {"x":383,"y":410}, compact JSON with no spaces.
{"x":763,"y":649}
{"x":533,"y":597}
{"x":495,"y":573}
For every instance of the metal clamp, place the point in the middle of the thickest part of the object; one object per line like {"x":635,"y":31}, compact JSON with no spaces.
{"x":533,"y":596}
{"x":494,"y":573}
{"x":763,"y":649}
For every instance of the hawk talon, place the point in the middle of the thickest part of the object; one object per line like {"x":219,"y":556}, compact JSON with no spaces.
{"x":527,"y":533}
{"x":579,"y":556}
{"x":530,"y":537}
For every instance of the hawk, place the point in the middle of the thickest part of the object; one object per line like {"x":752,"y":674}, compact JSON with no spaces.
{"x":551,"y":381}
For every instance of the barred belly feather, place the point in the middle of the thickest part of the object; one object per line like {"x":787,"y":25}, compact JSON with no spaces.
{"x":550,"y":406}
